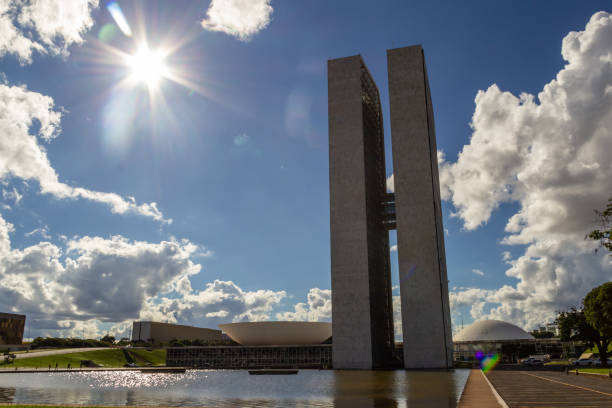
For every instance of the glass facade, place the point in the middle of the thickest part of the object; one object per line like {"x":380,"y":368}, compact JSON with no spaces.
{"x":237,"y":357}
{"x":11,"y":328}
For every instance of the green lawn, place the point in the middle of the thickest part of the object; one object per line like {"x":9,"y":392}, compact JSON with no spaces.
{"x":558,"y":362}
{"x":106,"y":358}
{"x":596,"y":350}
{"x":594,"y":370}
{"x":156,"y":357}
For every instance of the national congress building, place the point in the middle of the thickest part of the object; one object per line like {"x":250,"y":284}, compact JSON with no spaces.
{"x":362,"y":212}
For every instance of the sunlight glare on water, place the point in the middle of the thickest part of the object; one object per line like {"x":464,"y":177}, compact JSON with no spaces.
{"x":223,"y":388}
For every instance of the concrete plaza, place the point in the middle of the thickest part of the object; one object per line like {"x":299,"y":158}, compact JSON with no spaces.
{"x":539,"y":388}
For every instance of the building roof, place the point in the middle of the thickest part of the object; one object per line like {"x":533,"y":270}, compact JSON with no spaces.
{"x":278,"y":333}
{"x":12,"y":316}
{"x":491,"y":330}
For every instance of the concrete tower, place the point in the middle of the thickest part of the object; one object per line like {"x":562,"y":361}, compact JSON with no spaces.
{"x":362,"y":212}
{"x":362,"y":316}
{"x":420,"y":239}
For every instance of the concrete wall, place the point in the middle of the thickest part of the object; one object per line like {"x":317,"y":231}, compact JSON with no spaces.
{"x":362,"y":315}
{"x":352,"y":345}
{"x":165,"y":332}
{"x":420,"y":240}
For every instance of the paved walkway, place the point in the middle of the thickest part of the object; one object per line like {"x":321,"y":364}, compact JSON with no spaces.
{"x":477,"y":393}
{"x":60,"y":351}
{"x":551,"y":389}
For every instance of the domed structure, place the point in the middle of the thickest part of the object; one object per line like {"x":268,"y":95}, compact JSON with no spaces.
{"x":490,"y":337}
{"x":277,"y":333}
{"x":491,"y":330}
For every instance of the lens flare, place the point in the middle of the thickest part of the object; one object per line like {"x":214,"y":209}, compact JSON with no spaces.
{"x":107,"y":33}
{"x":117,"y":15}
{"x":487,"y":361}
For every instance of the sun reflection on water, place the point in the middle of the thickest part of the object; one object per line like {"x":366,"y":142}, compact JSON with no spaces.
{"x":223,"y":388}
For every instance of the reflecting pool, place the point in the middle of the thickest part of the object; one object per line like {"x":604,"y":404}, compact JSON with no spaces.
{"x":220,"y":388}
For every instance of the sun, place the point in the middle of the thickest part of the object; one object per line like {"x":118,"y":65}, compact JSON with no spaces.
{"x":147,"y":66}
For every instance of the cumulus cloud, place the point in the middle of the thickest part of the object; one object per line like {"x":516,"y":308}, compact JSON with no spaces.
{"x":91,"y":278}
{"x":239,"y":18}
{"x":43,"y":26}
{"x":93,"y":281}
{"x":42,"y":231}
{"x":29,"y":119}
{"x":391,"y":184}
{"x":220,"y":302}
{"x":478,"y":272}
{"x":12,"y":195}
{"x":551,"y":156}
{"x":318,"y":308}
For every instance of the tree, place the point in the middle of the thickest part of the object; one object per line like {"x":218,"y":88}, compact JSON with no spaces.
{"x":108,"y":339}
{"x":604,"y":233}
{"x":573,"y":326}
{"x":542,"y":335}
{"x":598,"y":314}
{"x":593,"y":323}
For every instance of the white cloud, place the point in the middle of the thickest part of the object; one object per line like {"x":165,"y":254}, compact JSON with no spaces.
{"x":43,"y":26}
{"x":220,"y":313}
{"x":92,"y":278}
{"x":220,"y":302}
{"x":551,"y":156}
{"x":241,"y":139}
{"x":317,"y":309}
{"x":27,"y":120}
{"x":12,"y":195}
{"x":391,"y":184}
{"x":93,"y":281}
{"x":397,"y":318}
{"x":43,"y":232}
{"x":239,"y":18}
{"x":393,"y":248}
{"x":478,"y":272}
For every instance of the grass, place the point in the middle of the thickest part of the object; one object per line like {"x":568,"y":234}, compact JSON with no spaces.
{"x":596,"y":350}
{"x":106,"y":358}
{"x":156,"y":357}
{"x":594,"y":370}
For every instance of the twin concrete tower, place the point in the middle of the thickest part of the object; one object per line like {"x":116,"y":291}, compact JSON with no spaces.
{"x":362,"y":212}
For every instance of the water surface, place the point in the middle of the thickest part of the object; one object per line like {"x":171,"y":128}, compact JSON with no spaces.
{"x":227,"y":388}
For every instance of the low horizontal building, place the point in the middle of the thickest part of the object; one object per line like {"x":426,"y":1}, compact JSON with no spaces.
{"x":274,"y":344}
{"x":11,"y":328}
{"x":240,"y":357}
{"x":156,"y":332}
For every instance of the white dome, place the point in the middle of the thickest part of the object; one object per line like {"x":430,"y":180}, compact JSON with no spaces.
{"x":492,"y":330}
{"x":277,"y":333}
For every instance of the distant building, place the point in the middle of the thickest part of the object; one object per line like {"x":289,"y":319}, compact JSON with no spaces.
{"x":11,"y":328}
{"x":552,"y":328}
{"x":237,"y":357}
{"x":156,"y":332}
{"x":275,"y":344}
{"x":278,"y":333}
{"x":508,"y":341}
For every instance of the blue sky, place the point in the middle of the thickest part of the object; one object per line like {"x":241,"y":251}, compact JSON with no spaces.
{"x":235,"y":155}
